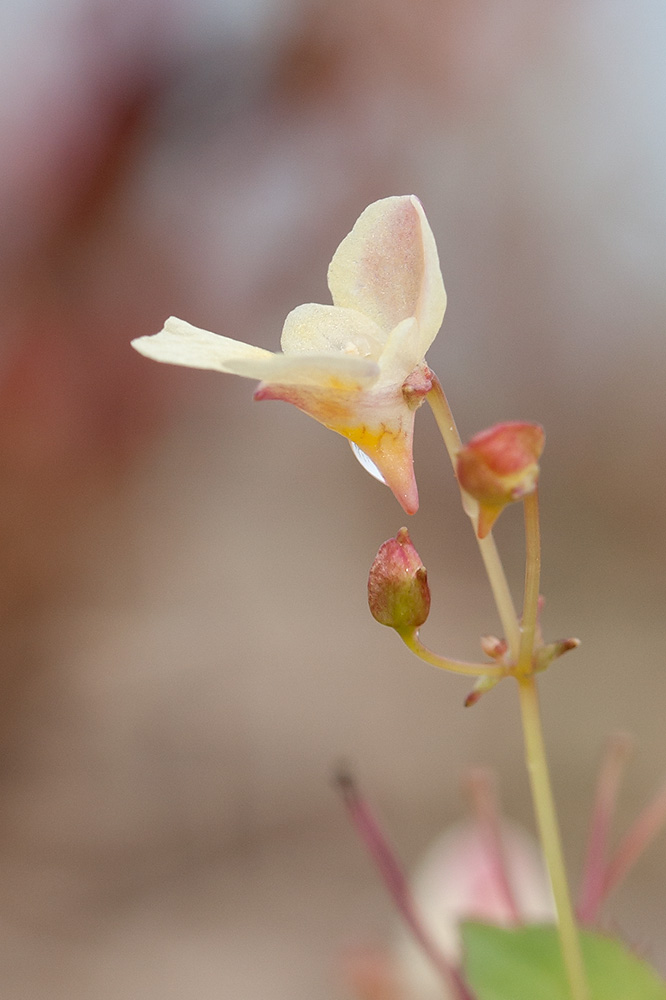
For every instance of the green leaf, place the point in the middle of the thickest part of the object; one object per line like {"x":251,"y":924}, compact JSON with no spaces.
{"x":526,"y":964}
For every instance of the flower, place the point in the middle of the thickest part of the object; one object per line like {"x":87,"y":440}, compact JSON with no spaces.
{"x":459,"y":880}
{"x":398,"y":592}
{"x":358,"y":366}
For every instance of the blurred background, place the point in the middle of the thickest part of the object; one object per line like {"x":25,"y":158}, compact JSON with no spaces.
{"x":187,"y":651}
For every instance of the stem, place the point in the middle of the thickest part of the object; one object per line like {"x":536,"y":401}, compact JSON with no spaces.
{"x":501,"y":593}
{"x":394,"y":879}
{"x":544,"y":807}
{"x":484,"y":803}
{"x":603,"y":810}
{"x":532,"y":578}
{"x":439,"y":405}
{"x":521,"y":646}
{"x":641,"y":834}
{"x":535,"y":757}
{"x":410,"y":637}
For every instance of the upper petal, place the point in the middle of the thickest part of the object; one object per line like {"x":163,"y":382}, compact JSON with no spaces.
{"x":388,"y":268}
{"x":179,"y":343}
{"x":319,"y":329}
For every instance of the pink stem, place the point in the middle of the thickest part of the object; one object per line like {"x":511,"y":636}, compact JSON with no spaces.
{"x":395,"y":881}
{"x":484,"y":801}
{"x":592,"y":890}
{"x":640,"y":835}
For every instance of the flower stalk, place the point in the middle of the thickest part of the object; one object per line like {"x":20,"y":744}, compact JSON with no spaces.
{"x":521,"y":641}
{"x":532,"y":580}
{"x":537,"y":763}
{"x":410,"y":637}
{"x":441,"y":410}
{"x":544,"y":808}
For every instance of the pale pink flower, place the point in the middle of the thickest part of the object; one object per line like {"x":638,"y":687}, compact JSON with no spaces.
{"x":458,"y":880}
{"x":357,"y":366}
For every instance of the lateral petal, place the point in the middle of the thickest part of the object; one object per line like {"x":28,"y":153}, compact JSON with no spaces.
{"x":180,"y":343}
{"x":330,"y":372}
{"x":319,"y":329}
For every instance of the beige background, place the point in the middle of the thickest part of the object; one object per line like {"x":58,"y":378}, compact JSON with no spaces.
{"x":187,"y":649}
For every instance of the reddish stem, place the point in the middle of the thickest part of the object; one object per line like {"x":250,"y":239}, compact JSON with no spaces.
{"x":484,"y":801}
{"x":640,"y":835}
{"x":395,"y":881}
{"x":594,"y":871}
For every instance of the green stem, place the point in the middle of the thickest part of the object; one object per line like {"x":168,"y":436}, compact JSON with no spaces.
{"x":535,"y":756}
{"x":410,"y":637}
{"x":521,"y":646}
{"x":439,"y":405}
{"x":532,"y":579}
{"x":544,"y":807}
{"x":501,"y":593}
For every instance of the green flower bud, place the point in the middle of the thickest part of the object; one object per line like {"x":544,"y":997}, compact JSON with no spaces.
{"x":398,"y":592}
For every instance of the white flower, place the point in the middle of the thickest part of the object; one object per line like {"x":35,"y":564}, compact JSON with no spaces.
{"x":358,"y":366}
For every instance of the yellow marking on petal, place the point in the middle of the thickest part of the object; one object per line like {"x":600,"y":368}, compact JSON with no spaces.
{"x":368,"y":440}
{"x":339,"y":384}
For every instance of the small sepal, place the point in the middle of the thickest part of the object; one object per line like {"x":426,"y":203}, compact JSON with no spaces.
{"x":485,"y":683}
{"x":398,"y":592}
{"x":544,"y":656}
{"x":494,"y":647}
{"x":498,"y":466}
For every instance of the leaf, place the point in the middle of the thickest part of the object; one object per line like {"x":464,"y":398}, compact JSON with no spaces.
{"x":526,"y":964}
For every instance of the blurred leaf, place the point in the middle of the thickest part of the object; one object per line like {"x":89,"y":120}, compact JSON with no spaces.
{"x":526,"y":964}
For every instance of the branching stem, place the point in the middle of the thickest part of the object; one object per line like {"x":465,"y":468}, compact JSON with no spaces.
{"x":439,"y":405}
{"x":410,"y":637}
{"x":521,"y":643}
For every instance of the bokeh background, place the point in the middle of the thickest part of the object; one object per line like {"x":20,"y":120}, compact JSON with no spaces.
{"x":186,"y":648}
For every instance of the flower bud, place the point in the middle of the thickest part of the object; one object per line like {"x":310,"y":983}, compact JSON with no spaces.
{"x":493,"y":646}
{"x":398,"y":592}
{"x":500,"y":465}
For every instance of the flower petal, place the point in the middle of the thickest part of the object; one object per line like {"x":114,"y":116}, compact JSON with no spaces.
{"x":377,"y":420}
{"x":318,"y":329}
{"x":330,"y":373}
{"x":401,"y":354}
{"x":388,"y":446}
{"x":388,"y":268}
{"x":179,"y":343}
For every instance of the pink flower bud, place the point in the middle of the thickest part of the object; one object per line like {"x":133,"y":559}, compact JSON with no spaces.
{"x":500,"y":465}
{"x":398,"y":592}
